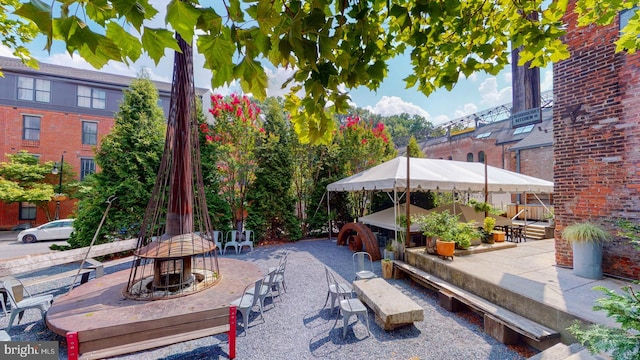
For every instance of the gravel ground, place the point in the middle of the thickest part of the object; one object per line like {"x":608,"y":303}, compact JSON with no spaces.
{"x":298,"y":327}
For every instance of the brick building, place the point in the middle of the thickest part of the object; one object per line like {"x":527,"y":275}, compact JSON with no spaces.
{"x":525,"y":149}
{"x":597,"y":139}
{"x":55,"y":111}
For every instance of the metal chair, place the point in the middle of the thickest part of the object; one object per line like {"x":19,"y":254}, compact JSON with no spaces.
{"x":232,"y":240}
{"x":342,"y":291}
{"x":278,"y":279}
{"x":350,"y":307}
{"x":247,"y":241}
{"x":363,"y":265}
{"x":247,"y":301}
{"x":265,"y":288}
{"x":217,"y":238}
{"x":21,"y":300}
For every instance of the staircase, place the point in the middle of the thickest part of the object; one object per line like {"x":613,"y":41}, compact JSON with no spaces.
{"x":561,"y":351}
{"x":535,"y":230}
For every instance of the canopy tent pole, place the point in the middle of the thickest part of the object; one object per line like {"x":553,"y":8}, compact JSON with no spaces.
{"x":328,"y":211}
{"x":407,"y":208}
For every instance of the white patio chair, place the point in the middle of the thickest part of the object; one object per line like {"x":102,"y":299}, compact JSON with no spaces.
{"x":247,"y":241}
{"x":350,"y":307}
{"x":247,"y":301}
{"x":363,"y":265}
{"x":278,"y":279}
{"x":265,"y":288}
{"x":232,"y":240}
{"x":217,"y":238}
{"x":342,"y":291}
{"x":21,"y":300}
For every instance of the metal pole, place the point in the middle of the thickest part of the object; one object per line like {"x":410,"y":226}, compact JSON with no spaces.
{"x":57,"y":215}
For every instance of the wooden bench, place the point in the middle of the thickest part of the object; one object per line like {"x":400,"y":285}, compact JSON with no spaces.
{"x":502,"y":324}
{"x":392,"y":308}
{"x":117,"y":340}
{"x":28,"y":263}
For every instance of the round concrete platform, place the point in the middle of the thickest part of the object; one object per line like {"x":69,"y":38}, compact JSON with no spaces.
{"x":100,"y":303}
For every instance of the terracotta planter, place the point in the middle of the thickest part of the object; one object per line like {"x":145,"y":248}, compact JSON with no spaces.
{"x":498,"y":236}
{"x":445,"y":248}
{"x":387,"y":269}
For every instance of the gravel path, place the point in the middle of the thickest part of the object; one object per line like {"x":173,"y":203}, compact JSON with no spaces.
{"x":297,"y":327}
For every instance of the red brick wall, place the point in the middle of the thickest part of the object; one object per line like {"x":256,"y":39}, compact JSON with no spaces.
{"x":596,"y":150}
{"x":458,"y":149}
{"x":59,"y":132}
{"x":537,"y":162}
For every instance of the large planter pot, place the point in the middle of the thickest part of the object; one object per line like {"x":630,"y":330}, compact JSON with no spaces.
{"x":587,"y":259}
{"x":445,"y":248}
{"x":387,"y":269}
{"x":498,"y":236}
{"x":389,"y":254}
{"x":431,"y":245}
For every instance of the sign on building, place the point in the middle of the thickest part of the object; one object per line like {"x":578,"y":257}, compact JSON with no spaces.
{"x":530,"y":116}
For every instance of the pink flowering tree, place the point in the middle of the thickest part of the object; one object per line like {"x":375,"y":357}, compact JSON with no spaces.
{"x":236,"y":132}
{"x":363,"y":144}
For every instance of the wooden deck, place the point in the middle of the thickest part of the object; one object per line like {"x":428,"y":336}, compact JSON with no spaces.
{"x":99,"y":304}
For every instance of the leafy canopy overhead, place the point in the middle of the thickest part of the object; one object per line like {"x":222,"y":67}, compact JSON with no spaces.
{"x":331,"y":44}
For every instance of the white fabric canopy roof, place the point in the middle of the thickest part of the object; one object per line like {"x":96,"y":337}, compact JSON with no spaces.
{"x":436,"y":174}
{"x":386,"y":218}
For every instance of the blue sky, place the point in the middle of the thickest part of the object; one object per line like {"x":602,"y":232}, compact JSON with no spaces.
{"x":470,"y":95}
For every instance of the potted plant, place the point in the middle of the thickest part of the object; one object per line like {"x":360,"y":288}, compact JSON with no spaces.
{"x":389,"y":251}
{"x":463,"y":235}
{"x":586,"y":240}
{"x":487,"y":230}
{"x":438,"y":227}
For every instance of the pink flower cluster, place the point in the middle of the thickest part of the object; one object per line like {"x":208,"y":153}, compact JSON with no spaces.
{"x":354,"y":122}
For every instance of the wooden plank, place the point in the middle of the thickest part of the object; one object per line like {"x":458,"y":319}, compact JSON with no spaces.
{"x":520,"y":324}
{"x":213,"y":316}
{"x":153,"y":343}
{"x":29,"y":263}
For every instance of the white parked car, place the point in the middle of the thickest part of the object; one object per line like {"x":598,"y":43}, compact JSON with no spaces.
{"x":54,"y":230}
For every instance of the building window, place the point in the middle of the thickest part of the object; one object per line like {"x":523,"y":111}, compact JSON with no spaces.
{"x":27,"y":211}
{"x":87,"y":167}
{"x":89,"y":133}
{"x":91,"y":98}
{"x":30,"y":127}
{"x":524,"y":129}
{"x":470,"y":157}
{"x":31,"y":89}
{"x":481,"y":157}
{"x":483,"y":135}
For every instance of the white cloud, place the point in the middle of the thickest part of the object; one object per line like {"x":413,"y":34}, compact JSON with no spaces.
{"x":6,"y":52}
{"x":278,"y":77}
{"x":466,"y":109}
{"x":393,"y":105}
{"x":546,"y":82}
{"x":439,"y":119}
{"x":507,"y":77}
{"x":493,"y":96}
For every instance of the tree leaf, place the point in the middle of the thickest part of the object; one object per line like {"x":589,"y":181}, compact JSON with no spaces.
{"x":154,"y":41}
{"x":183,"y":17}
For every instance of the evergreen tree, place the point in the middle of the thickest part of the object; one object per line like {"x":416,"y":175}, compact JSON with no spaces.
{"x":414,"y":148}
{"x":271,"y":199}
{"x":129,"y":158}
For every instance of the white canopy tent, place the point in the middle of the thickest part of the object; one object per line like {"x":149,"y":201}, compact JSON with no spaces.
{"x":439,"y":175}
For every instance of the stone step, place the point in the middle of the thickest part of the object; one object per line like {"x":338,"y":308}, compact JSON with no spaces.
{"x":561,"y":351}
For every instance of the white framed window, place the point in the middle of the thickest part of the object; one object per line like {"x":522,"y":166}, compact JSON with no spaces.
{"x":30,"y":127}
{"x":31,"y":89}
{"x":87,"y":167}
{"x":89,"y":133}
{"x":91,"y":98}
